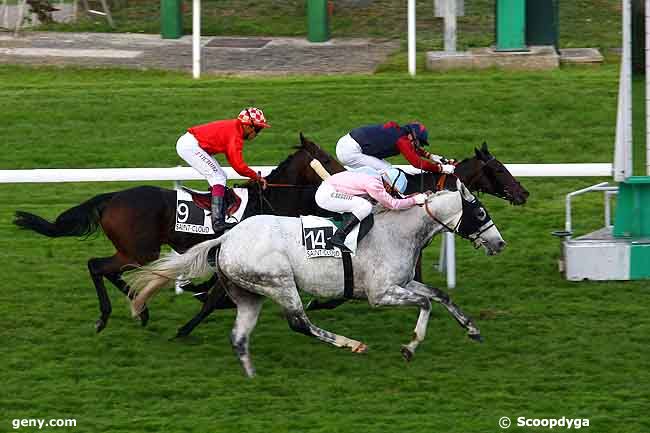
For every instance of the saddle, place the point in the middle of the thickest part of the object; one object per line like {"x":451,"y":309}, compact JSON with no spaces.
{"x":203,"y":199}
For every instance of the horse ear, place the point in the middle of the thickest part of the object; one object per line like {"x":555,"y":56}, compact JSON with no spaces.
{"x":478,"y":153}
{"x":484,"y":147}
{"x":302,"y":138}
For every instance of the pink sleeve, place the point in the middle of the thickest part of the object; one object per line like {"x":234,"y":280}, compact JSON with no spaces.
{"x":377,"y":191}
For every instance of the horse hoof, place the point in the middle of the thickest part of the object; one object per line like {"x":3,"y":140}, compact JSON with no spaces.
{"x":100,"y":325}
{"x":144,"y":317}
{"x":476,"y":337}
{"x":360,"y":348}
{"x":407,"y":353}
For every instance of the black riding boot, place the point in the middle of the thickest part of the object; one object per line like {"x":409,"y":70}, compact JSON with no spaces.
{"x":349,"y":222}
{"x":219,"y":224}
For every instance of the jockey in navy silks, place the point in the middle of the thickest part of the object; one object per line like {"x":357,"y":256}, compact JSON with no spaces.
{"x":368,"y":146}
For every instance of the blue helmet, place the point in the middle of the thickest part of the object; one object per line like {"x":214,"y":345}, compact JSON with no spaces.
{"x":395,"y":178}
{"x":420,"y":132}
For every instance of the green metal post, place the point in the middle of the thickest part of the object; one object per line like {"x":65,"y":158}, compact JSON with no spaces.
{"x":542,"y":22}
{"x":171,"y":19}
{"x":511,"y":25}
{"x":317,"y":21}
{"x":633,"y":208}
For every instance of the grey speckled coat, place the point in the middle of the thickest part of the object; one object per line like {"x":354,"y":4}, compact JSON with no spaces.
{"x":264,"y":257}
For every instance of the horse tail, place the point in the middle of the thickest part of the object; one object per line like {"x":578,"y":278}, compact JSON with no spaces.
{"x":81,"y":220}
{"x":147,"y":280}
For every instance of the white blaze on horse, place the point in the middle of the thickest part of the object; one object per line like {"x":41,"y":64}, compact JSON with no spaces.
{"x":263,"y":256}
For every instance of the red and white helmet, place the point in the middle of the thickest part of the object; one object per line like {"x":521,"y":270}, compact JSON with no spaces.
{"x":254,"y":117}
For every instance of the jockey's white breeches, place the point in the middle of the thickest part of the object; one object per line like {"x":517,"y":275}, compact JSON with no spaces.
{"x":328,"y":198}
{"x":349,"y":153}
{"x":188,"y":148}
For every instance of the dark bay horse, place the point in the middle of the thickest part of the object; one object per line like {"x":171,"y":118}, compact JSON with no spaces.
{"x":138,"y":221}
{"x":480,"y":173}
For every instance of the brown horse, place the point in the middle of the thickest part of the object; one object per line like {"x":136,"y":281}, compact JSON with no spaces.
{"x":138,"y":221}
{"x":480,"y":173}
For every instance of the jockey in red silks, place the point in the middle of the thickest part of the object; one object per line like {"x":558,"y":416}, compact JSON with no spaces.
{"x":225,"y":137}
{"x":369,"y":145}
{"x":342,"y":192}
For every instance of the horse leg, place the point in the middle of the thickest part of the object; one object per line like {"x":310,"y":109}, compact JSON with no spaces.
{"x":442,"y":298}
{"x":396,"y":295}
{"x":100,"y":268}
{"x":215,"y":298}
{"x":329,"y":304}
{"x":249,"y":306}
{"x":116,"y":279}
{"x":418,"y":268}
{"x":198,"y":288}
{"x":298,"y":321}
{"x":220,"y":301}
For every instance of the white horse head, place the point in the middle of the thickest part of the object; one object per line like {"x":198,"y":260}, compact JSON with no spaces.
{"x":464,"y":215}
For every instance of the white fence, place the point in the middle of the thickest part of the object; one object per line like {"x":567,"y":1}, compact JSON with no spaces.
{"x":55,"y":175}
{"x":177,"y":174}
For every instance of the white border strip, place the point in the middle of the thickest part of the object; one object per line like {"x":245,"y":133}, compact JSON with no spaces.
{"x":187,"y":173}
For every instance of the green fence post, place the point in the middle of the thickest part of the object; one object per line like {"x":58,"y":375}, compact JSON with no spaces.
{"x":171,"y":19}
{"x":542,"y":22}
{"x":511,"y":25}
{"x":633,"y":208}
{"x":317,"y":21}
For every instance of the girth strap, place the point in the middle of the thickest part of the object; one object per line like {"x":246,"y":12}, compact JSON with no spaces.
{"x":348,"y":276}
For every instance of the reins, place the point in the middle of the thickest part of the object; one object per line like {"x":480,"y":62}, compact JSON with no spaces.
{"x":433,"y":217}
{"x":472,"y":237}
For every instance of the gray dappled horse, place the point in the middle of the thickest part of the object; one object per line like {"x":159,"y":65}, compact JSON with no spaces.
{"x":264,"y":256}
{"x":482,"y":173}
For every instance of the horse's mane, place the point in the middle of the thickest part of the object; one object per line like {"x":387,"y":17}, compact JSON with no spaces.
{"x":311,"y":147}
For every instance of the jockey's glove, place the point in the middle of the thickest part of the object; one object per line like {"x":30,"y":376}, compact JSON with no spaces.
{"x":420,"y":198}
{"x":436,"y":158}
{"x":447,"y":168}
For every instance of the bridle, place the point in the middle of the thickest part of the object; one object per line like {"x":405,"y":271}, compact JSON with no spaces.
{"x":473,"y":237}
{"x":491,"y":160}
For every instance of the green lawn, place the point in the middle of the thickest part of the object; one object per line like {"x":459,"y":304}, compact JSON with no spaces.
{"x":552,"y":348}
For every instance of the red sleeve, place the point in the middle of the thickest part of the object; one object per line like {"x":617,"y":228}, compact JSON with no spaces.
{"x":406,"y":148}
{"x":391,"y":125}
{"x":236,"y":159}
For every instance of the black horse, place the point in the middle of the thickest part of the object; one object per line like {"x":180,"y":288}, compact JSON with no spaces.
{"x":480,"y":173}
{"x":138,"y":221}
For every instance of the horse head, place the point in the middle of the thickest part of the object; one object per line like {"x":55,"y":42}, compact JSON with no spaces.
{"x":480,"y":173}
{"x":471,"y":220}
{"x":296,"y":169}
{"x":484,"y":173}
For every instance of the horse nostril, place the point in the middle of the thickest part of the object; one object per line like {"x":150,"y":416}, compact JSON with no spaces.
{"x":501,"y":245}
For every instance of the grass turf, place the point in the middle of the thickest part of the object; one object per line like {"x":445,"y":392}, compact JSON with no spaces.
{"x":552,"y":349}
